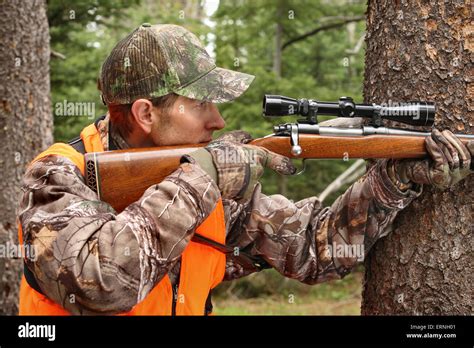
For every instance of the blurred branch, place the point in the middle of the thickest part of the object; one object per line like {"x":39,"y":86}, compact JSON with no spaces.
{"x":342,"y":21}
{"x":349,"y":175}
{"x":55,"y":54}
{"x":358,"y":46}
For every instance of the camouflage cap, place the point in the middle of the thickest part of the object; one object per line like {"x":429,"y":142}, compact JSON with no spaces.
{"x":155,"y":60}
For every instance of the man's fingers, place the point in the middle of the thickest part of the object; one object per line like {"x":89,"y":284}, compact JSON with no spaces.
{"x":237,"y":136}
{"x":449,"y":151}
{"x":463,"y":151}
{"x":280,"y":164}
{"x":435,"y":152}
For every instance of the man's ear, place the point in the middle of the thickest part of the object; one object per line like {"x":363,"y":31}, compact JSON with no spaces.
{"x":141,"y":112}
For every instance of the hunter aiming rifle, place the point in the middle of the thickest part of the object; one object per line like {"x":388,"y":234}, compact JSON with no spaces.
{"x":120,"y":177}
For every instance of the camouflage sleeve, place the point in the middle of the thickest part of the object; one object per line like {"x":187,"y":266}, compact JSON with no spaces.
{"x":107,"y":261}
{"x":311,"y":243}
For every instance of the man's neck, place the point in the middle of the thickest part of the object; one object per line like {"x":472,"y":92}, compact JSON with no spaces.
{"x":133,"y":140}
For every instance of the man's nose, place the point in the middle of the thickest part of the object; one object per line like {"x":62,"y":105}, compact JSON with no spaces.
{"x":216,"y":121}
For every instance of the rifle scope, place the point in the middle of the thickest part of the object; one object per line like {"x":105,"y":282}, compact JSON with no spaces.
{"x":420,"y":113}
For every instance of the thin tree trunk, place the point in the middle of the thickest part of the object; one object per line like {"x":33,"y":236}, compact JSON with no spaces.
{"x":278,"y":40}
{"x":418,"y":50}
{"x":277,"y":56}
{"x":25,"y":122}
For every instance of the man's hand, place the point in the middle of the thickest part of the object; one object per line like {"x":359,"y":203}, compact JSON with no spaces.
{"x":238,"y":166}
{"x":449,"y":163}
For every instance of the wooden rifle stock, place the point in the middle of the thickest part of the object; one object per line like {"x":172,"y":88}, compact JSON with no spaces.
{"x":120,"y":177}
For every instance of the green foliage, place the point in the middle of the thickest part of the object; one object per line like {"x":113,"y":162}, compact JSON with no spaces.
{"x":271,"y":283}
{"x":76,"y":30}
{"x":85,"y":31}
{"x":268,"y":293}
{"x":312,"y":68}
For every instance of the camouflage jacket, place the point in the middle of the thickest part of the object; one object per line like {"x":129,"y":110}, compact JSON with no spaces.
{"x":111,"y":261}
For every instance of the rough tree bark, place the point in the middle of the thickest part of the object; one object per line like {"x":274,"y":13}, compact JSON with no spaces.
{"x":25,"y":122}
{"x":420,"y":50}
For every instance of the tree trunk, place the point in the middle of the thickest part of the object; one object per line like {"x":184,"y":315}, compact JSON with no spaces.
{"x":282,"y":181}
{"x":419,"y":50}
{"x":25,"y":122}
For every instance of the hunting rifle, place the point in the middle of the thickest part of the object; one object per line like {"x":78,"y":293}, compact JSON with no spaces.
{"x":121,"y":176}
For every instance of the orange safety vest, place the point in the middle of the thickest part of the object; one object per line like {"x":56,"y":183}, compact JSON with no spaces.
{"x":202,"y":266}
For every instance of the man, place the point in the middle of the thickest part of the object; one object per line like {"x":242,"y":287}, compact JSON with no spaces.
{"x":160,"y":87}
